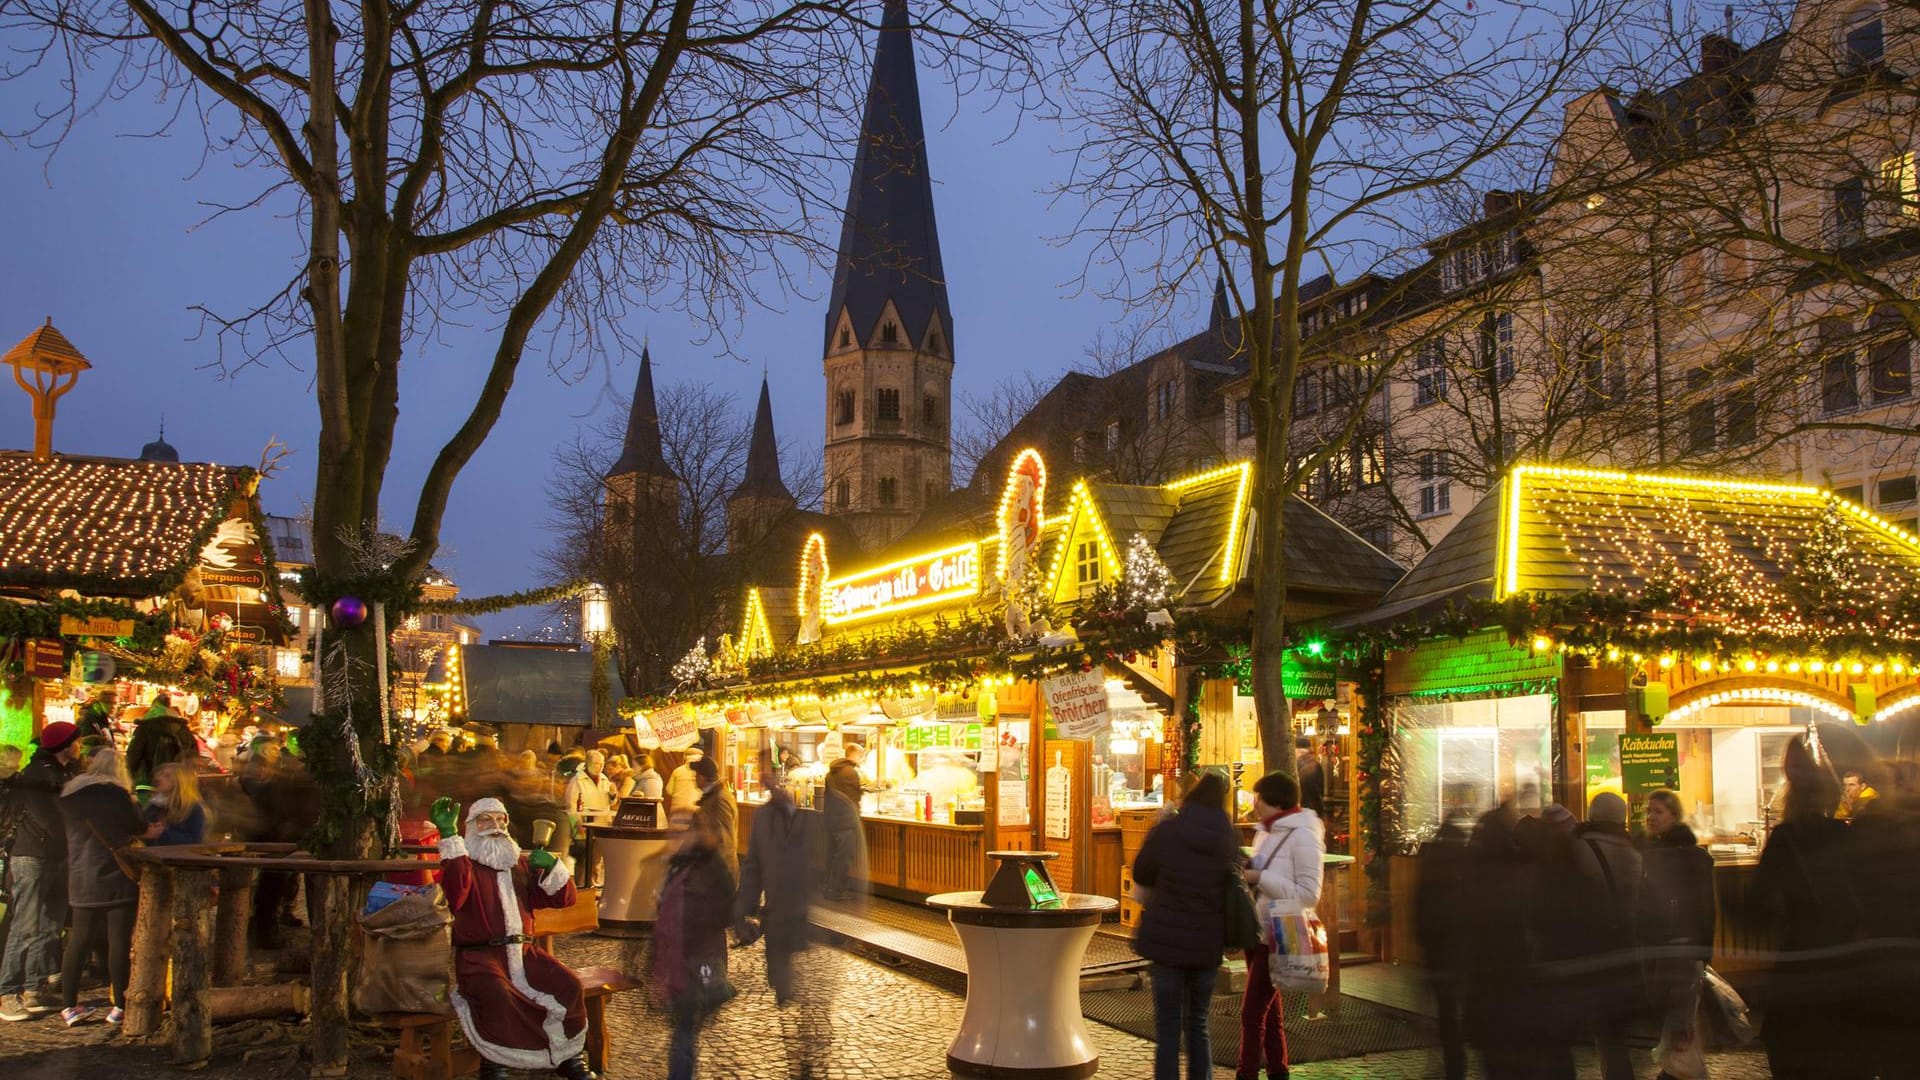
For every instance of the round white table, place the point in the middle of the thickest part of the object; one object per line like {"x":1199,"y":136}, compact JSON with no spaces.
{"x":1022,"y":1018}
{"x":633,"y":865}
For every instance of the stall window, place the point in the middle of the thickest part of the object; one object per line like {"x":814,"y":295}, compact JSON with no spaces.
{"x":1459,"y":759}
{"x":1086,"y":563}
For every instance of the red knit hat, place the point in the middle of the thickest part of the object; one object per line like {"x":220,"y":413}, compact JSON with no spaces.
{"x":57,"y":736}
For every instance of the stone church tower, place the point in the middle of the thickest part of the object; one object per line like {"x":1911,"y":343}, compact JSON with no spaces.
{"x":643,"y":494}
{"x":889,"y":331}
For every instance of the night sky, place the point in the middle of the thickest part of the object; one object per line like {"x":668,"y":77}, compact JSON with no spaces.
{"x":110,"y":236}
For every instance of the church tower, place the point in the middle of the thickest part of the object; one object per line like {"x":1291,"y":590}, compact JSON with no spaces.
{"x":641,"y":486}
{"x":889,"y":332}
{"x":762,"y":500}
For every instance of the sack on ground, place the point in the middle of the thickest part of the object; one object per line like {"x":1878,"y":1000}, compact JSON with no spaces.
{"x":1724,"y":1021}
{"x":1298,"y":960}
{"x":407,"y":962}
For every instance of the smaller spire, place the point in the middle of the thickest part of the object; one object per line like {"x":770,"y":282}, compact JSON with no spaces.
{"x":1222,"y":313}
{"x":762,"y":479}
{"x":158,"y":450}
{"x":641,"y":452}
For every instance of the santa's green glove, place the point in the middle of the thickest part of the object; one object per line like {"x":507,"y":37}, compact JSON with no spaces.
{"x":445,"y":816}
{"x":541,"y":859}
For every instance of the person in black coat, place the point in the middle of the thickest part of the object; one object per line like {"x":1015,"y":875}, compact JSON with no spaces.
{"x":1442,"y":903}
{"x":780,"y":879}
{"x":159,"y":738}
{"x":1186,"y":862}
{"x":101,"y":817}
{"x":37,"y":875}
{"x":1674,"y":922}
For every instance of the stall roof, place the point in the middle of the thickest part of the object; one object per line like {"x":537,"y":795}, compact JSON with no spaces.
{"x":508,"y":685}
{"x":1559,"y":530}
{"x":109,"y":526}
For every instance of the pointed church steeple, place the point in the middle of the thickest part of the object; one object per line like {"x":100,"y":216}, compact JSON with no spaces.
{"x":762,"y":479}
{"x":889,"y":248}
{"x":641,"y":453}
{"x":1222,"y":313}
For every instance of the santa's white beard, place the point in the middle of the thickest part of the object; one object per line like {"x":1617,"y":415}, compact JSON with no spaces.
{"x":492,"y":849}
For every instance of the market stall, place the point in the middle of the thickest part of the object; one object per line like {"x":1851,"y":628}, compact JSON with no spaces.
{"x":1584,"y":631}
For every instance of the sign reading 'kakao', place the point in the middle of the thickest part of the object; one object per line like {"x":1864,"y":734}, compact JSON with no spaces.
{"x":952,"y":574}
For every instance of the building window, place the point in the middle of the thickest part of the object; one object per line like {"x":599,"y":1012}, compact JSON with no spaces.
{"x":1436,"y":487}
{"x":1500,"y":348}
{"x":1602,"y":382}
{"x":886,"y":405}
{"x":846,"y":337}
{"x":1377,"y":535}
{"x":1113,"y":436}
{"x":1370,"y":462}
{"x":842,"y":494}
{"x":1742,"y":408}
{"x":1337,"y":387}
{"x":1855,"y":493}
{"x":1082,"y":448}
{"x":1086,"y":563}
{"x":889,"y":333}
{"x":933,"y":342}
{"x":1847,"y":221}
{"x":1339,"y":470}
{"x":843,"y":408}
{"x":1243,"y":418}
{"x":1899,"y":200}
{"x":1306,"y":394}
{"x":1430,"y":372}
{"x":1893,"y":492}
{"x":930,"y":491}
{"x":1839,"y":381}
{"x":930,"y":411}
{"x":1163,"y":399}
{"x":889,"y":492}
{"x":1701,"y":413}
{"x":1863,"y":40}
{"x":1890,"y":376}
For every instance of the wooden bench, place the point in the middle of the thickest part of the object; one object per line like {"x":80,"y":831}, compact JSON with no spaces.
{"x":427,"y":1050}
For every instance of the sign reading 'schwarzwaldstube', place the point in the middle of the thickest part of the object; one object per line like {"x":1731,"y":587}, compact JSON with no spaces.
{"x":933,"y":578}
{"x":1650,"y":763}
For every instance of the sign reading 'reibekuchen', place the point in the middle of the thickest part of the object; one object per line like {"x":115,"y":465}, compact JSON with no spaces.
{"x":953,"y":574}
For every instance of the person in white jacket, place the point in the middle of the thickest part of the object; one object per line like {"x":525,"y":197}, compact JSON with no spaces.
{"x":1287,"y":849}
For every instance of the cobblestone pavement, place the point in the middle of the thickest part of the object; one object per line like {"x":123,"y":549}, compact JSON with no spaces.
{"x":884,"y":1025}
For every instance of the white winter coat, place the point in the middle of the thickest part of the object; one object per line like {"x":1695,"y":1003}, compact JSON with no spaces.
{"x":1288,"y":857}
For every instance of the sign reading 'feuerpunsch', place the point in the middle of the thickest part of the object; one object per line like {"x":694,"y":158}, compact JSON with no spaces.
{"x":1077,"y":702}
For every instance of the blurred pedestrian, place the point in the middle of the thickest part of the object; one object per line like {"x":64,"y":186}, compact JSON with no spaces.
{"x":1855,"y":793}
{"x":1312,"y":777}
{"x":1505,"y":1015}
{"x":37,"y":875}
{"x":1442,"y":907}
{"x":589,"y":801}
{"x":689,"y":960}
{"x":1610,"y":872}
{"x":1803,"y":894}
{"x":647,"y":783}
{"x":779,"y":881}
{"x":176,"y":814}
{"x":846,"y":841}
{"x":1185,"y":863}
{"x":718,"y":813}
{"x":1288,"y":846}
{"x":100,"y":818}
{"x":159,"y":737}
{"x":1675,"y":919}
{"x":682,"y":789}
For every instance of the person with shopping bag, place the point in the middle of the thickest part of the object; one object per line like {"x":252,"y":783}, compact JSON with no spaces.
{"x":1285,"y":874}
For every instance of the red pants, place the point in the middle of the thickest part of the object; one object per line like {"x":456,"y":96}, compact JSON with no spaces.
{"x":1263,"y":1039}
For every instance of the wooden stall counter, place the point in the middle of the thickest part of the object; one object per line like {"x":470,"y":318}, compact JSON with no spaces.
{"x":909,"y":859}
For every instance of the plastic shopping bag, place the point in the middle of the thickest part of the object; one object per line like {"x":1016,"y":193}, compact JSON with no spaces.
{"x":1725,"y":1023}
{"x":1299,"y":960}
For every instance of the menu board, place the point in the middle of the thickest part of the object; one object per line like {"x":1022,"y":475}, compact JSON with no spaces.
{"x":1650,"y":763}
{"x":1059,"y":819}
{"x":1013,"y":763}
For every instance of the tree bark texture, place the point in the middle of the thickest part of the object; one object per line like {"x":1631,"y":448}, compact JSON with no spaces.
{"x":332,"y":924}
{"x":230,"y":926}
{"x":190,"y":1041}
{"x":147,"y":981}
{"x":264,"y":1002}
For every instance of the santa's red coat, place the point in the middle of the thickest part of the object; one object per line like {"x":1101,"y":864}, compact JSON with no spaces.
{"x":519,"y":1006}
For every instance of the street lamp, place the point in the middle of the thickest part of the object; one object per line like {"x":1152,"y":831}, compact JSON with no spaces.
{"x":596,"y":614}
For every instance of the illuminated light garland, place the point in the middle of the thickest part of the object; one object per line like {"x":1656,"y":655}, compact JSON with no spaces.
{"x":1145,"y":580}
{"x":1229,"y":563}
{"x":756,"y":638}
{"x":1762,"y":695}
{"x":815,"y":542}
{"x":1082,"y":502}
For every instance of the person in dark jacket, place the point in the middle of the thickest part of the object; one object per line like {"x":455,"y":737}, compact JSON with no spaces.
{"x":101,"y":817}
{"x":159,"y":738}
{"x":845,"y":839}
{"x":1442,"y":900}
{"x":37,"y":874}
{"x":176,"y":815}
{"x":779,"y":881}
{"x":1804,"y":896}
{"x":1675,"y":920}
{"x":1503,"y":1014}
{"x":1186,"y":862}
{"x":1609,"y":872}
{"x":690,"y":939}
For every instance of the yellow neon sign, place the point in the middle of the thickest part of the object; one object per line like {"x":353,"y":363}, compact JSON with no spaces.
{"x":933,"y":578}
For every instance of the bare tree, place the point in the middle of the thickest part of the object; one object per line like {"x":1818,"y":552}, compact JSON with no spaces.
{"x":1248,"y":139}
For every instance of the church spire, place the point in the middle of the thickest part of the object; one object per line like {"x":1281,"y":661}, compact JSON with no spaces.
{"x":889,"y":248}
{"x":641,"y":453}
{"x":762,"y":479}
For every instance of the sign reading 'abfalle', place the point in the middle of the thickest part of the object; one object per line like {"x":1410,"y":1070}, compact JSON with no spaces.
{"x":952,"y":574}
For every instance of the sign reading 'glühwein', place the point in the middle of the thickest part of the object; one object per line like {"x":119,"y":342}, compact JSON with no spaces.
{"x":95,"y":626}
{"x":952,"y":574}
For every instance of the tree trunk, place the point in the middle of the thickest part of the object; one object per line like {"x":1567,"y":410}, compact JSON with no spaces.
{"x":191,"y":1021}
{"x":147,"y":982}
{"x":332,"y":923}
{"x":265,"y":1002}
{"x":230,"y":926}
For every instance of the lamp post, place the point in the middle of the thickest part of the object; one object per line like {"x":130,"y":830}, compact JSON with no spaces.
{"x":596,"y":629}
{"x":55,"y":365}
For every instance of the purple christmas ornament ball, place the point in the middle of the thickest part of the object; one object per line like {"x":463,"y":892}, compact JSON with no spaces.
{"x":349,"y":611}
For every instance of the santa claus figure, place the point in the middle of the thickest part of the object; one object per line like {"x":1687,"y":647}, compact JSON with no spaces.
{"x":520,"y":1007}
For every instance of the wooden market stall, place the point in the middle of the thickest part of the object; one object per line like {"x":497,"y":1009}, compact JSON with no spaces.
{"x":1584,"y":631}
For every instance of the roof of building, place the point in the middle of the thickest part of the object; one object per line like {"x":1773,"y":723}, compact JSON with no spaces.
{"x":508,"y":685}
{"x":762,"y":478}
{"x":108,"y":526}
{"x":47,"y":347}
{"x":641,"y":451}
{"x":159,"y":449}
{"x":889,"y":247}
{"x":1556,"y":530}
